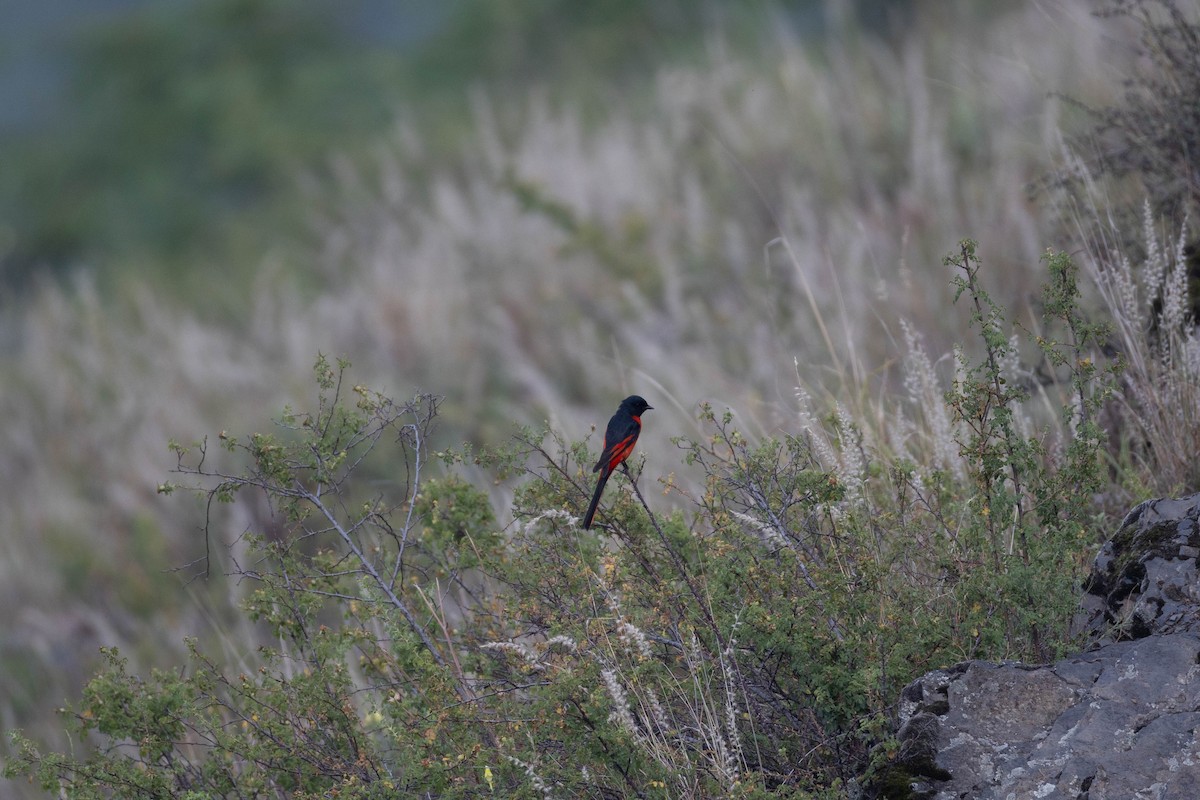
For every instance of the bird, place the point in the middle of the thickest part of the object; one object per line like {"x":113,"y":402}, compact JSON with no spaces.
{"x":619,"y":439}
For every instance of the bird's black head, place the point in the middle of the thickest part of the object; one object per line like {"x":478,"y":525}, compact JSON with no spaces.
{"x":635,"y":405}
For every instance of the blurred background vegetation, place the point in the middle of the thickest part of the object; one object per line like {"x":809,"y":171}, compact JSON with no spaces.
{"x":163,"y":141}
{"x":532,"y":207}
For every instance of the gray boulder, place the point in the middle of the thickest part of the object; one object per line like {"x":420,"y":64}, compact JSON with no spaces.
{"x":1117,"y":722}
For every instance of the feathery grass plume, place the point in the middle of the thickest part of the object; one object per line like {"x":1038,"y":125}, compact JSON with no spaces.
{"x":535,"y":780}
{"x":1150,"y":302}
{"x":1124,"y":296}
{"x":632,"y":637}
{"x":735,"y":762}
{"x":1015,"y":373}
{"x":684,"y":720}
{"x":561,"y":642}
{"x":768,"y":534}
{"x":651,"y":731}
{"x":927,"y":395}
{"x":714,"y":714}
{"x":901,"y":435}
{"x":520,"y":649}
{"x":851,"y":466}
{"x":621,"y":714}
{"x":818,"y":438}
{"x":1154,"y":266}
{"x":1176,"y":295}
{"x":551,"y":514}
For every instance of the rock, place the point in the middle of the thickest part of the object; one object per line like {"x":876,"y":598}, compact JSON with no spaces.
{"x":1120,"y":721}
{"x":1145,"y":580}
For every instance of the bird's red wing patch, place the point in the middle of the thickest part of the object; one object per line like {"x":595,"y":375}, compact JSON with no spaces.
{"x":621,"y":451}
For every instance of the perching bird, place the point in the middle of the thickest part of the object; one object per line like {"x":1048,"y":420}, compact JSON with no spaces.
{"x":619,"y":439}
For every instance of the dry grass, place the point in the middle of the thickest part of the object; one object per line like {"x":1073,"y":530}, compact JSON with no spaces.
{"x":1151,"y":303}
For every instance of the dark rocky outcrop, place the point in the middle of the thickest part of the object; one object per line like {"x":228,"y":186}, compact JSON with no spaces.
{"x":1145,"y":580}
{"x":1117,"y":722}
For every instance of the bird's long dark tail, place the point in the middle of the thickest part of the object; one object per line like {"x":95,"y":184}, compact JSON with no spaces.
{"x":591,"y":512}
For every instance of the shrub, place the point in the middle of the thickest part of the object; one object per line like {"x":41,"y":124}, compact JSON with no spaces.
{"x":362,"y":690}
{"x":753,"y":651}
